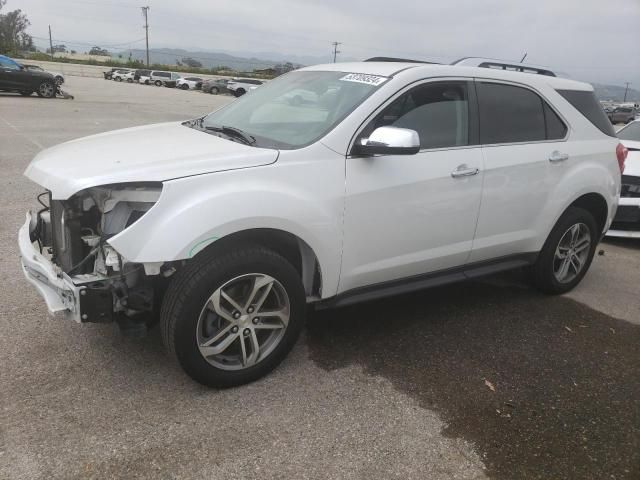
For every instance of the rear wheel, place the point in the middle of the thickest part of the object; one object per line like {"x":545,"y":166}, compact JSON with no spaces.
{"x":184,"y":86}
{"x":567,"y":253}
{"x":231,"y":316}
{"x":239,"y":92}
{"x":157,"y":83}
{"x":46,"y":89}
{"x":214,"y":90}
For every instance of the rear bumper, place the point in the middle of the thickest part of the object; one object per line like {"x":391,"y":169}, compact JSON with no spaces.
{"x":626,"y":223}
{"x":58,"y":291}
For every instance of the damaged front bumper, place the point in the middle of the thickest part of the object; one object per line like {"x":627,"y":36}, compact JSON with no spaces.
{"x":55,"y":286}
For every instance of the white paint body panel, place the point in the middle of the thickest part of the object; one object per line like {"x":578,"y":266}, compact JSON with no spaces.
{"x":367,"y":220}
{"x":152,"y":153}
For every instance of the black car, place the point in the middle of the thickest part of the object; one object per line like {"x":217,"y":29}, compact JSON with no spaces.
{"x":14,"y":77}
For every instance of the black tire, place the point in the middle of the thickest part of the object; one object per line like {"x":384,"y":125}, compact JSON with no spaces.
{"x":46,"y":89}
{"x":157,"y":83}
{"x":26,"y":93}
{"x":184,"y":86}
{"x":542,"y":272}
{"x":188,"y":292}
{"x":214,"y":90}
{"x":129,"y":80}
{"x":118,"y":79}
{"x":239,"y":92}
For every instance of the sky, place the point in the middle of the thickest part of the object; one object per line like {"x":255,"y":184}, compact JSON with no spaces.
{"x":592,"y":40}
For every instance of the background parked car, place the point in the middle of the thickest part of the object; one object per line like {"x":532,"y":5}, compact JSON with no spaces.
{"x":189,"y":83}
{"x":215,"y":86}
{"x":622,"y":115}
{"x":119,"y":75}
{"x":158,"y":77}
{"x":627,"y":220}
{"x":108,"y":75}
{"x":240,"y":86}
{"x":58,"y":76}
{"x":145,"y":79}
{"x":14,"y":77}
{"x":141,"y":73}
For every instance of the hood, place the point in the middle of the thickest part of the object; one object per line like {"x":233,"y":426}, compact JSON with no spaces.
{"x":151,"y":153}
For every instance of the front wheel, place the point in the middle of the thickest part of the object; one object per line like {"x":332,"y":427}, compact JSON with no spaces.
{"x":214,"y":90}
{"x":184,"y":86}
{"x":231,"y":316}
{"x":239,"y":92}
{"x":46,"y":89}
{"x":157,"y":83}
{"x":567,"y":253}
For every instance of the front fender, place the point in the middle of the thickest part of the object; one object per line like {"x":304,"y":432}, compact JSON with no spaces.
{"x":194,"y":212}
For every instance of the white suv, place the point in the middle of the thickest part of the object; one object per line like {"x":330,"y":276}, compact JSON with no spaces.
{"x":390,"y":178}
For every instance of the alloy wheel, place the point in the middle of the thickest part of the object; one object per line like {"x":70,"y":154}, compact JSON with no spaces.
{"x":243,"y":321}
{"x":46,"y":89}
{"x":572,"y":253}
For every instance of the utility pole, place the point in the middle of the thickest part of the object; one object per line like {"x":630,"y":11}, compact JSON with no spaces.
{"x":335,"y":50}
{"x":50,"y":42}
{"x":525,"y":56}
{"x":626,"y":89}
{"x":145,"y":11}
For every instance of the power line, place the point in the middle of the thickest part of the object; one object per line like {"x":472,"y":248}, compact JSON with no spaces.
{"x":335,"y":50}
{"x":84,"y":44}
{"x":145,"y":11}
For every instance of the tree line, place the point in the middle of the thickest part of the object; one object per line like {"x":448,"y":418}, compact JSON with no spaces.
{"x":13,"y":35}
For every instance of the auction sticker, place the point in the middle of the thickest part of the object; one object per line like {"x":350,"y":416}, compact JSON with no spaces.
{"x":374,"y":80}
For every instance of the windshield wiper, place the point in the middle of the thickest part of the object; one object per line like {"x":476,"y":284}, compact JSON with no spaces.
{"x":233,"y":132}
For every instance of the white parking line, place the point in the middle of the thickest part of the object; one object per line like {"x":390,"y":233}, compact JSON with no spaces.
{"x":17,"y":130}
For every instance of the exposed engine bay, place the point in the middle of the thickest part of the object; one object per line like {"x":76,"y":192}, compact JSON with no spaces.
{"x":74,"y":234}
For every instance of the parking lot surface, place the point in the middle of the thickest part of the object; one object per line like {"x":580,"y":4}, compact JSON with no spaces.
{"x":485,"y":379}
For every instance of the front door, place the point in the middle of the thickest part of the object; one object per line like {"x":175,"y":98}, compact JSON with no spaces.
{"x":408,"y":215}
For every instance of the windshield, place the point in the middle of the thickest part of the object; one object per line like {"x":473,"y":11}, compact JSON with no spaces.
{"x":296,"y":109}
{"x":630,"y":132}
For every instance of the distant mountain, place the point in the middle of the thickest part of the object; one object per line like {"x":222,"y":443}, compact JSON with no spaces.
{"x":169,"y":56}
{"x":615,"y":93}
{"x":240,"y":61}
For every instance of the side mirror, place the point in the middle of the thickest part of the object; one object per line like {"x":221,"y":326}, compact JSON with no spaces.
{"x":389,"y":141}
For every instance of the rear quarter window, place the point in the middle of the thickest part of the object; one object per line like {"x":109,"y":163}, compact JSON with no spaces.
{"x":585,"y":102}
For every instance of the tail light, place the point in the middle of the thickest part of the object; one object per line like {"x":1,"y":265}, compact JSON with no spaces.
{"x":621,"y":154}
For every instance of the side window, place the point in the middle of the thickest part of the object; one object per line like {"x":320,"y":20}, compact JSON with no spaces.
{"x":556,"y":129}
{"x":10,"y":64}
{"x":509,"y":114}
{"x":439,"y":112}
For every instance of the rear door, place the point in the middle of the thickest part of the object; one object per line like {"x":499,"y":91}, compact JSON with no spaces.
{"x":525,"y":150}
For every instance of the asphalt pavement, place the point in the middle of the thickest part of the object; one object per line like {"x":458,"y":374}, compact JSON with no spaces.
{"x":485,"y":379}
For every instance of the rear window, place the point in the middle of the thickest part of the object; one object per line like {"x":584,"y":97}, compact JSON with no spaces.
{"x":585,"y":102}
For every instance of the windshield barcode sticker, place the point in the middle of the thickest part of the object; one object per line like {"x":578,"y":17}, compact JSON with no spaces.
{"x":374,"y":80}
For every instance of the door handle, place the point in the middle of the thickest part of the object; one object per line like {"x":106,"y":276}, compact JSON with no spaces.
{"x":557,"y":156}
{"x":464,"y":171}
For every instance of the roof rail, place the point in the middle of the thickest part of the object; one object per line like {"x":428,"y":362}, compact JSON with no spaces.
{"x":400,"y":60}
{"x":502,"y":65}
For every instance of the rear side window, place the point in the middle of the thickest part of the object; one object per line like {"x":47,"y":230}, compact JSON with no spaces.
{"x":585,"y":102}
{"x":556,"y":129}
{"x":509,"y":114}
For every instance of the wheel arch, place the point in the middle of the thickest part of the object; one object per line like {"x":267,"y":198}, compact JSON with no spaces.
{"x":595,"y":204}
{"x":293,"y":248}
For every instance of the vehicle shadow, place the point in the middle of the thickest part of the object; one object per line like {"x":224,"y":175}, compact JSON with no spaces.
{"x":544,"y":387}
